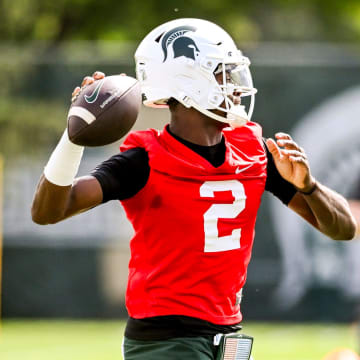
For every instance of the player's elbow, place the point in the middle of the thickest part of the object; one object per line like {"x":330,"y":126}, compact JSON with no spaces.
{"x":43,"y":218}
{"x":37,"y":218}
{"x":44,"y":221}
{"x":348,"y":232}
{"x":344,"y":236}
{"x":36,"y":215}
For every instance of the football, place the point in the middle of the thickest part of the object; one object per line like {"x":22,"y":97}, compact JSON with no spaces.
{"x":104,"y":111}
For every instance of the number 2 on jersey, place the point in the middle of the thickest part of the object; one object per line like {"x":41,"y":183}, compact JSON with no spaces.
{"x":214,"y":242}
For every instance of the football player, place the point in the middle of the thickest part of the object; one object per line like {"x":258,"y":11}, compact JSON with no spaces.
{"x":191,"y":192}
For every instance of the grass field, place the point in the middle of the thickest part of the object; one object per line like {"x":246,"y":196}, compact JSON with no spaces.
{"x":101,"y":340}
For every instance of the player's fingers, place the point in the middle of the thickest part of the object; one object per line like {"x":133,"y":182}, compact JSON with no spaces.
{"x":288,"y":144}
{"x":122,"y":74}
{"x":75,"y":93}
{"x":273,"y":148}
{"x":87,"y":81}
{"x":293,"y":153}
{"x":299,"y":160}
{"x":97,"y":75}
{"x":284,"y":136}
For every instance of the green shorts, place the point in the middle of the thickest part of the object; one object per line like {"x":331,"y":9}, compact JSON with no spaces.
{"x":182,"y":348}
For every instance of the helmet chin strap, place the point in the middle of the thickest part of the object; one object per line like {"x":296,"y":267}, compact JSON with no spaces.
{"x":236,"y":117}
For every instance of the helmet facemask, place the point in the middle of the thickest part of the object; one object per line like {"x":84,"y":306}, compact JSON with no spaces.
{"x":234,"y":82}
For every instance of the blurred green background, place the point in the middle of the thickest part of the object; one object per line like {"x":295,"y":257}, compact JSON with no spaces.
{"x":306,"y":65}
{"x":47,"y":46}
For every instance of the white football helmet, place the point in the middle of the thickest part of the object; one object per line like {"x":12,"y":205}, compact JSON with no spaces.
{"x":180,"y":60}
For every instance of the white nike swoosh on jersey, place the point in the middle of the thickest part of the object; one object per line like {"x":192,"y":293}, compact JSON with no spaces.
{"x":238,"y":170}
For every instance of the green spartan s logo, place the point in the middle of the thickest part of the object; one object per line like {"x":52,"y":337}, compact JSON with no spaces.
{"x":182,"y":45}
{"x":92,"y":98}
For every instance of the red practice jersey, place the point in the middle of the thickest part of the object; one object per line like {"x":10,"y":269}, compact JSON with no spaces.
{"x":194,"y":226}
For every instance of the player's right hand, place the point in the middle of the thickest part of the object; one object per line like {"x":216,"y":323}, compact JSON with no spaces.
{"x":97,"y":75}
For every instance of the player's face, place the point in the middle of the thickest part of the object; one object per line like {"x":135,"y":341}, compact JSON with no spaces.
{"x":235,"y":96}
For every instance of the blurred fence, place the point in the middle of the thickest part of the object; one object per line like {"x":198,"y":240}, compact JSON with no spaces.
{"x":79,"y":267}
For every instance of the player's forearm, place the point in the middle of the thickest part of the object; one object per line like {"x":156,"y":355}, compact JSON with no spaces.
{"x":332,"y":213}
{"x":50,"y":202}
{"x":53,"y":203}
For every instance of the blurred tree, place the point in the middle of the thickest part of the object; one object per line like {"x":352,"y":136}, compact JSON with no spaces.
{"x":54,"y":21}
{"x":26,"y":127}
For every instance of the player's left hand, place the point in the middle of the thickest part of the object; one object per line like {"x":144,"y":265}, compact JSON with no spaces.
{"x":291,"y":161}
{"x":88,"y":80}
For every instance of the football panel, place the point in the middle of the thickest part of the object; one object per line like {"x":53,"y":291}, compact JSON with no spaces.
{"x":103,"y":93}
{"x":78,"y":119}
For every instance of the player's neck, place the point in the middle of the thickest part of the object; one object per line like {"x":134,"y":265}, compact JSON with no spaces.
{"x":191,"y":125}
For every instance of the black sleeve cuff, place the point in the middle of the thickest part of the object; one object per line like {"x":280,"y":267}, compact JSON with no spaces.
{"x":123,"y":175}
